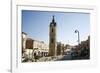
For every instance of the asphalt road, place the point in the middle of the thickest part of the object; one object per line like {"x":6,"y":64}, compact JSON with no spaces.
{"x":67,"y":57}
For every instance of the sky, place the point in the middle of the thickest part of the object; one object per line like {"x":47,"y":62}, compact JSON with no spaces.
{"x":36,"y":25}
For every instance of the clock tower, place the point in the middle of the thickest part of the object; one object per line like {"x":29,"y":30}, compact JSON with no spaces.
{"x":52,"y":38}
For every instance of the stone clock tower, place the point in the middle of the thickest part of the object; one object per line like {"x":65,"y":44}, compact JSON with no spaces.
{"x":52,"y":38}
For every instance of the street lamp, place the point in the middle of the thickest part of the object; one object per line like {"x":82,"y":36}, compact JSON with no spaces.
{"x":76,"y":31}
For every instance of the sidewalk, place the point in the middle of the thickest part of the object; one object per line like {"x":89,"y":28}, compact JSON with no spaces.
{"x":44,"y":59}
{"x":53,"y":58}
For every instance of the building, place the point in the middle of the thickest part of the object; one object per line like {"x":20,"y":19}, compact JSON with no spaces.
{"x":63,"y":49}
{"x":52,"y":38}
{"x":69,"y":48}
{"x":29,"y":47}
{"x":60,"y":48}
{"x":24,"y":37}
{"x":38,"y":47}
{"x":29,"y":43}
{"x":83,"y":49}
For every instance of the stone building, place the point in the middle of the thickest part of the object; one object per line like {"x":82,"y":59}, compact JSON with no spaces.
{"x":58,"y":48}
{"x":40,"y":48}
{"x":29,"y":43}
{"x":35,"y":46}
{"x":24,"y":37}
{"x":29,"y":47}
{"x":52,"y":38}
{"x":63,"y":49}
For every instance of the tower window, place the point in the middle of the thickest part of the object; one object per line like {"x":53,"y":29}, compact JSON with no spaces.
{"x":52,"y":40}
{"x":52,"y":29}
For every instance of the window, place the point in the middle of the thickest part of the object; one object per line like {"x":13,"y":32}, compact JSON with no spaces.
{"x":52,"y":40}
{"x":52,"y":29}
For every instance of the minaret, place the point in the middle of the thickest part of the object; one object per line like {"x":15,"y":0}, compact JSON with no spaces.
{"x":52,"y":38}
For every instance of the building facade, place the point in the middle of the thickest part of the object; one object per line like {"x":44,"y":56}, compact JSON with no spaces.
{"x":60,"y":48}
{"x":24,"y":37}
{"x":38,"y":47}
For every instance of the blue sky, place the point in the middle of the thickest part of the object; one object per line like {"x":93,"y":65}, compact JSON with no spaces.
{"x":36,"y":25}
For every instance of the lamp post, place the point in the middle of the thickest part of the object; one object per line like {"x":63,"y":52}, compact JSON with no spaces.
{"x":76,"y":31}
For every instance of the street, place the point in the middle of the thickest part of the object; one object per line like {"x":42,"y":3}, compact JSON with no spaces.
{"x":66,"y":57}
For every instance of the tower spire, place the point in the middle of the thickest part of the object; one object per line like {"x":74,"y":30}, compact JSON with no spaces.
{"x":53,"y":20}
